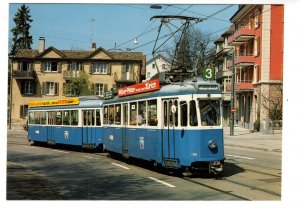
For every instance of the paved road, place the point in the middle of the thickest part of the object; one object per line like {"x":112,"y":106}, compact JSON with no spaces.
{"x":47,"y":173}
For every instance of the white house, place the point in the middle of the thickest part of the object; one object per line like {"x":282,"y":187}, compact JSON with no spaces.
{"x":158,"y":63}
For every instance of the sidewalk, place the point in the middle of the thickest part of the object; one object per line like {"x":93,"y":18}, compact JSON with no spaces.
{"x":245,"y":139}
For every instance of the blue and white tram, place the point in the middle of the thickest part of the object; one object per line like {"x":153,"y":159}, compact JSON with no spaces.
{"x":73,"y":121}
{"x":177,"y":126}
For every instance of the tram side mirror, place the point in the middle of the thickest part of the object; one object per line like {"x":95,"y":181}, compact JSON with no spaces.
{"x":173,"y":109}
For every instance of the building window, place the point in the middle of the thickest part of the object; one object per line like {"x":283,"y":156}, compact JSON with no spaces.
{"x":100,"y":68}
{"x":148,"y":75}
{"x":153,"y":65}
{"x":50,"y":66}
{"x":26,"y":66}
{"x":50,"y":88}
{"x":163,"y":66}
{"x":23,"y":111}
{"x":257,"y":46}
{"x":256,"y":18}
{"x":99,"y":89}
{"x":28,"y":88}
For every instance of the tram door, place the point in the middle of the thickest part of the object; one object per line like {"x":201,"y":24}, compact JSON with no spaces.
{"x":51,"y":127}
{"x":88,"y":130}
{"x":125,"y":131}
{"x":170,"y":122}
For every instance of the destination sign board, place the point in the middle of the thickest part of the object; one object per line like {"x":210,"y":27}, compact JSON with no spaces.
{"x":61,"y":102}
{"x":151,"y":85}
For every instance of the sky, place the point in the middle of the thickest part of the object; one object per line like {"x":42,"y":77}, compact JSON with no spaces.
{"x":76,"y":26}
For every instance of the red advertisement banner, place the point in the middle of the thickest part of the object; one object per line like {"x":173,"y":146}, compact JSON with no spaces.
{"x":151,"y":85}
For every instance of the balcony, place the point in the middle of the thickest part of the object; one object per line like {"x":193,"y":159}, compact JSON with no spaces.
{"x":241,"y":36}
{"x":244,"y":60}
{"x":125,"y":78}
{"x":242,"y":85}
{"x":24,"y":75}
{"x":223,"y":74}
{"x":69,"y":75}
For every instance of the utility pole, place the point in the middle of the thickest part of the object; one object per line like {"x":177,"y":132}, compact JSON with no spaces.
{"x":232,"y":109}
{"x":10,"y":93}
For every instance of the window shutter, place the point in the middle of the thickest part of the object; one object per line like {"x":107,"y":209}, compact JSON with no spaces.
{"x":19,"y":66}
{"x":42,"y":66}
{"x":59,"y":67}
{"x":43,"y":88}
{"x":93,"y":89}
{"x":80,"y":66}
{"x":56,"y":88}
{"x":109,"y":69}
{"x":91,"y":68}
{"x":105,"y":87}
{"x":23,"y":87}
{"x":34,"y":86}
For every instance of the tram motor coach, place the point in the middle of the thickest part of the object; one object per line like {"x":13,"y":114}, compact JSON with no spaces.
{"x":177,"y":126}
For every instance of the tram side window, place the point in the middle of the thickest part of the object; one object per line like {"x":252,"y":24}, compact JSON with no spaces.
{"x":183,"y":113}
{"x":31,"y":118}
{"x":210,"y":112}
{"x":141,"y":119}
{"x":193,"y":113}
{"x":152,"y":113}
{"x":125,"y":114}
{"x":43,"y":117}
{"x":74,"y":117}
{"x":66,"y":117}
{"x":37,"y":117}
{"x":133,"y":114}
{"x":92,"y":117}
{"x":98,"y":118}
{"x":58,"y":118}
{"x":51,"y":118}
{"x":111,"y":111}
{"x":105,"y":115}
{"x":118,"y":114}
{"x":176,"y":113}
{"x":165,"y":113}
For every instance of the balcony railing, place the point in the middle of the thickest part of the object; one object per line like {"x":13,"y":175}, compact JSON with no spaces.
{"x":24,"y":74}
{"x":244,"y":58}
{"x":242,"y":35}
{"x":123,"y":77}
{"x":223,"y":74}
{"x":242,"y":85}
{"x":68,"y":75}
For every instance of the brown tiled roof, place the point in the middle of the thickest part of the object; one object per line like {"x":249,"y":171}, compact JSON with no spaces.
{"x":77,"y":54}
{"x":26,"y":53}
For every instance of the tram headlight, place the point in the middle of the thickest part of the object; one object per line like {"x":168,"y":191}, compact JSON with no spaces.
{"x":212,"y":144}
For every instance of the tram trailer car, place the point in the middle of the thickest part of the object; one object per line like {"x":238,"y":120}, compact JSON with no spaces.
{"x":177,"y":126}
{"x":74,"y":121}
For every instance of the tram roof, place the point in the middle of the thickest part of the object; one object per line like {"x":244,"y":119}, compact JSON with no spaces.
{"x":178,"y":88}
{"x":84,"y":102}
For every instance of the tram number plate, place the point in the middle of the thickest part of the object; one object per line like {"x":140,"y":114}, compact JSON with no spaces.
{"x":215,"y":163}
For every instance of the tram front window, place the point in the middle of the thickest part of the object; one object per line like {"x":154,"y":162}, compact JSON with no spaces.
{"x":210,"y":112}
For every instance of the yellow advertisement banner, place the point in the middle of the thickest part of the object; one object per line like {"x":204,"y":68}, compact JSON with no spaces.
{"x":61,"y":102}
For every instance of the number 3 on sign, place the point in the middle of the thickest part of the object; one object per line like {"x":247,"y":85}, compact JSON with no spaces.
{"x":208,"y":73}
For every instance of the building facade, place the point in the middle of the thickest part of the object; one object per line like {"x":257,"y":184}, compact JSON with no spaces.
{"x":43,"y":73}
{"x":258,"y":59}
{"x":157,"y":64}
{"x":223,"y":70}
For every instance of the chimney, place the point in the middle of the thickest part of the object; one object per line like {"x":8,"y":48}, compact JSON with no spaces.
{"x":41,"y":44}
{"x":93,"y":46}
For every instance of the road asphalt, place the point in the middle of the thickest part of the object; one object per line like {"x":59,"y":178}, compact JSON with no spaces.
{"x":20,"y":179}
